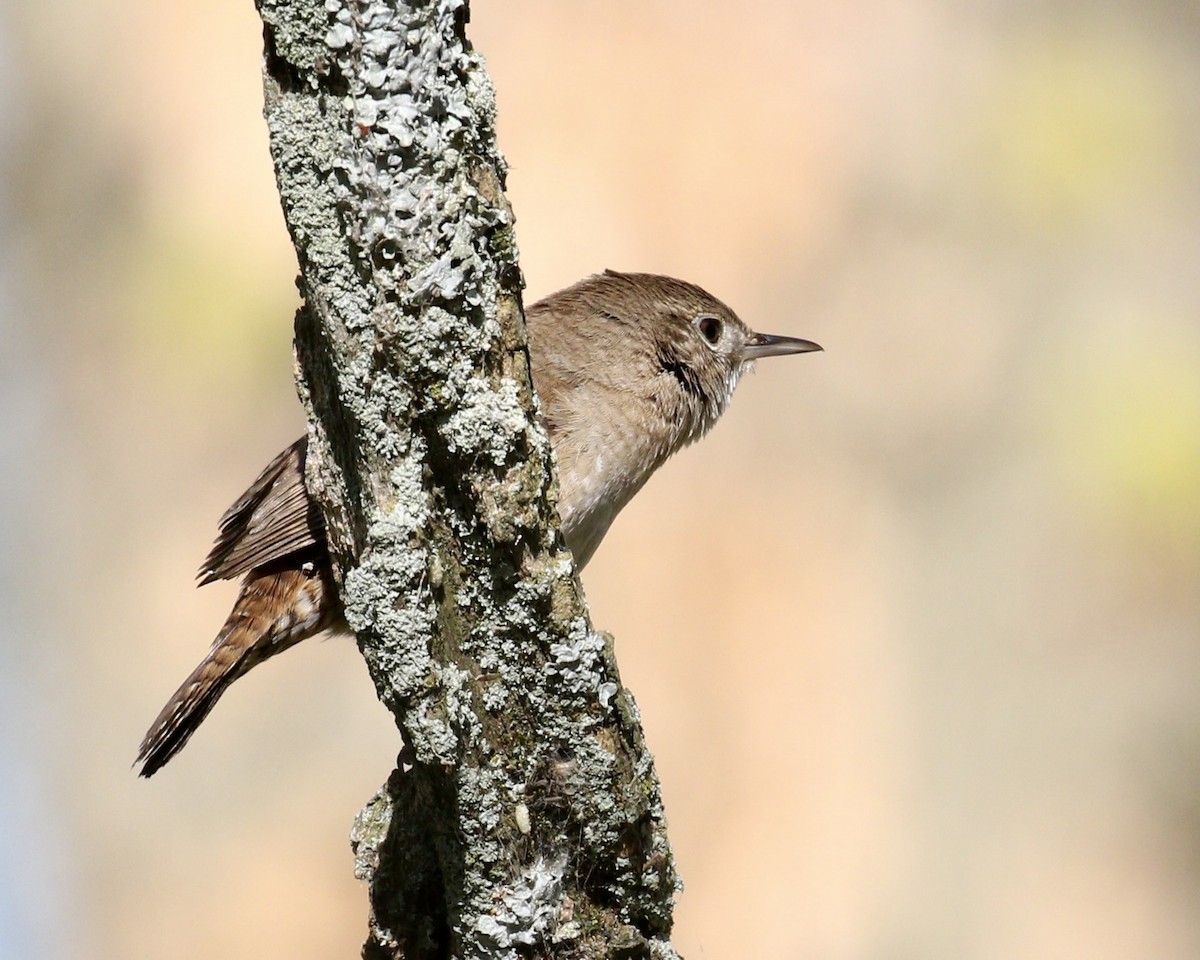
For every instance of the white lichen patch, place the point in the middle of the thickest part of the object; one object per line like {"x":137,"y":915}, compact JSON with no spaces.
{"x":487,"y":421}
{"x":528,"y":910}
{"x":436,"y":728}
{"x":495,"y":697}
{"x":578,"y":661}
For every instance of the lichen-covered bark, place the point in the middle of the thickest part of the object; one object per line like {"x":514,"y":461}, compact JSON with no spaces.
{"x":525,"y":818}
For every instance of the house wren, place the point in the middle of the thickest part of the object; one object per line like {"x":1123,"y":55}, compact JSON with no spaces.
{"x":629,"y":368}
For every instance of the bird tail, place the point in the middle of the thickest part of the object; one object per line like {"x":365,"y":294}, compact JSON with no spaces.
{"x":274,"y":611}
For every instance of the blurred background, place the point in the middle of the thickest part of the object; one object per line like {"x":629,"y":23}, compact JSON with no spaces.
{"x":915,"y":631}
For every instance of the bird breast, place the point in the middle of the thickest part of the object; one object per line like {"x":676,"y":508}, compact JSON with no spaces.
{"x":605,"y":455}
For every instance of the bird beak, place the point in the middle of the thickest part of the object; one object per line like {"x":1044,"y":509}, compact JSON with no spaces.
{"x":767,"y":345}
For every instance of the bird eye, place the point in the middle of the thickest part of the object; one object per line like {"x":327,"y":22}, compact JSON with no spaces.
{"x":710,"y":329}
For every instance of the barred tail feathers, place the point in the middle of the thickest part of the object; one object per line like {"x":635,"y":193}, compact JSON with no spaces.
{"x":274,"y":611}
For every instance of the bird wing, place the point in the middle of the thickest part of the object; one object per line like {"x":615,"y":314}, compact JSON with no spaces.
{"x":273,"y":518}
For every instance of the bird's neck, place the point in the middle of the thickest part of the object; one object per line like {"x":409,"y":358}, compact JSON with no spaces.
{"x":610,"y":449}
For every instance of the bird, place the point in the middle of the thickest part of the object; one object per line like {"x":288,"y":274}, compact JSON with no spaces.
{"x":629,"y":368}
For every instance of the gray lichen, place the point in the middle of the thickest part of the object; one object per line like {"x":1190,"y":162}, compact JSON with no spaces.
{"x":526,"y":812}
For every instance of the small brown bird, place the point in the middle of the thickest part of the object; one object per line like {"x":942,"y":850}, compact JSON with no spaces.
{"x":628,"y":367}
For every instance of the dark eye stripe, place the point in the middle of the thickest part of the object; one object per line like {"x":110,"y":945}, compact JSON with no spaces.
{"x":670,"y":362}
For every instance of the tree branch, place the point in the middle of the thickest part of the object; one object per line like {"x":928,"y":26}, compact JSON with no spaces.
{"x":525,"y":818}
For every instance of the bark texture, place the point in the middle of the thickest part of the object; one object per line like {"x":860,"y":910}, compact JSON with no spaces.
{"x":524,"y":819}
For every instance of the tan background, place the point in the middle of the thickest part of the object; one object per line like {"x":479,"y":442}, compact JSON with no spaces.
{"x":915,"y":632}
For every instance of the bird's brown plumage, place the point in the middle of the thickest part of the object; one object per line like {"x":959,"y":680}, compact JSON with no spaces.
{"x":624,"y":379}
{"x":279,"y":605}
{"x":273,"y":519}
